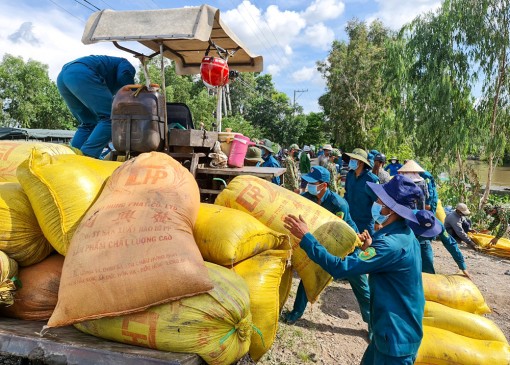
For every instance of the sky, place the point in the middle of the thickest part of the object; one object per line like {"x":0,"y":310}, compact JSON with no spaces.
{"x":291,"y":35}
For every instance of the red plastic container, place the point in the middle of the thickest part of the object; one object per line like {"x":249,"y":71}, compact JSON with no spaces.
{"x":238,"y":151}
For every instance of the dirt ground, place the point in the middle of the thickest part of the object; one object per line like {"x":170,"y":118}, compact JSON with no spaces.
{"x":332,"y":331}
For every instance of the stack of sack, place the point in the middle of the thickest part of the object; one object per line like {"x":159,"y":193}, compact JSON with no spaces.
{"x":126,"y":252}
{"x":250,"y":204}
{"x":454,"y":330}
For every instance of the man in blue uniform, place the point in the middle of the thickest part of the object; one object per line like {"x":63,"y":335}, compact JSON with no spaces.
{"x":392,"y":258}
{"x":426,"y":229}
{"x":318,"y":192}
{"x":393,"y":166}
{"x":269,"y":160}
{"x":87,"y":86}
{"x":360,"y":200}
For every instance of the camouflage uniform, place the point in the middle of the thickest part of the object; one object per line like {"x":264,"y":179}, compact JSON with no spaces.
{"x":291,"y":176}
{"x":333,"y":177}
{"x":501,"y":219}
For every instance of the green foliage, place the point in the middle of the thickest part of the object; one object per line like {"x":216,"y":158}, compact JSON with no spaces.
{"x":271,"y":112}
{"x":29,"y":98}
{"x":355,"y":103}
{"x":316,"y":132}
{"x":402,"y":152}
{"x":241,"y":125}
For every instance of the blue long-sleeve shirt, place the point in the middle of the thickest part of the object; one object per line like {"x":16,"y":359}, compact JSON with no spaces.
{"x":432,"y":197}
{"x":393,"y":168}
{"x":360,"y":200}
{"x":451,"y":246}
{"x":336,"y":205}
{"x":272,"y":162}
{"x":115,"y":71}
{"x":396,"y":289}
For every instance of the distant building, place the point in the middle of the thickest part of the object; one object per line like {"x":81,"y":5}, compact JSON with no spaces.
{"x":44,"y":135}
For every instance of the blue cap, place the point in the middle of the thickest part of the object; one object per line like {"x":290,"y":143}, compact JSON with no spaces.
{"x":428,"y":225}
{"x":317,"y":174}
{"x":400,"y":194}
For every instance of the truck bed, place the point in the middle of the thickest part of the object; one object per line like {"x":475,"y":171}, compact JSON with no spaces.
{"x":67,"y":345}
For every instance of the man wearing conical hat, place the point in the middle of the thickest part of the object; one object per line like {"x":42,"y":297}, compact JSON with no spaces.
{"x":425,"y":181}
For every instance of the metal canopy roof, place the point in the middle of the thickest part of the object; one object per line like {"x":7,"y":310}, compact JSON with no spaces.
{"x":185,"y":33}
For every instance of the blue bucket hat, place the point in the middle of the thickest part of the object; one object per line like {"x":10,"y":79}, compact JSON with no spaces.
{"x":428,"y":225}
{"x":317,"y":174}
{"x":400,"y":194}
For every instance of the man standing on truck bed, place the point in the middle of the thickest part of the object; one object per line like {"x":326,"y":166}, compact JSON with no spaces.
{"x":87,"y":85}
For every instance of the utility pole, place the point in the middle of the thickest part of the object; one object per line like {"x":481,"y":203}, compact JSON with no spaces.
{"x":294,"y":105}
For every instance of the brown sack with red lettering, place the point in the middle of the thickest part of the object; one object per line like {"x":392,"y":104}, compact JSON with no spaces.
{"x":36,"y":297}
{"x":134,"y":247}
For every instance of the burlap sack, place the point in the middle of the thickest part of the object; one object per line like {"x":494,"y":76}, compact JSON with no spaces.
{"x":35,"y":300}
{"x":134,"y":248}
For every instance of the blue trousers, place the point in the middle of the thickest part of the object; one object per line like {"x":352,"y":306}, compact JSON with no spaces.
{"x":359,"y":285}
{"x":427,"y":257}
{"x":90,"y":101}
{"x":373,"y":357}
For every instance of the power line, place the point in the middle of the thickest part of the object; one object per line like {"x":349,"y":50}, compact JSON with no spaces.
{"x":268,"y":27}
{"x":253,"y":90}
{"x":108,"y":5}
{"x":256,"y":33}
{"x":85,"y":6}
{"x":156,"y":5}
{"x":62,"y":8}
{"x":88,"y":2}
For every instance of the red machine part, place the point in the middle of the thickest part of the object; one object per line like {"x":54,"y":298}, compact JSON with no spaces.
{"x":214,"y":71}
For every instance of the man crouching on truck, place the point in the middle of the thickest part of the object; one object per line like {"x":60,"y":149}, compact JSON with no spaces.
{"x":87,"y":86}
{"x":392,"y":258}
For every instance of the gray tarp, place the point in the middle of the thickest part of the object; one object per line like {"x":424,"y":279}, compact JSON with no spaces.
{"x":185,"y":33}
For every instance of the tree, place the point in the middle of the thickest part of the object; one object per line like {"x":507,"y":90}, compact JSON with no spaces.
{"x":436,"y":104}
{"x":483,"y":28}
{"x":241,"y":125}
{"x":354,"y":103}
{"x":316,"y":132}
{"x":29,"y":98}
{"x":272,"y":112}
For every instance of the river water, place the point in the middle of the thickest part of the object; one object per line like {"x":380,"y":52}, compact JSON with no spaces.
{"x":500,"y":177}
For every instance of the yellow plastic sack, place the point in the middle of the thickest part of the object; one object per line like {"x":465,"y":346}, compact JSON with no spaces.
{"x":8,"y":270}
{"x":270,"y":203}
{"x":461,"y":322}
{"x":263,"y":274}
{"x":501,"y":249}
{"x":13,"y":153}
{"x":20,"y":235}
{"x":285,"y":286}
{"x":454,"y":291}
{"x":440,"y":213}
{"x":61,"y":189}
{"x":216,"y":325}
{"x":440,"y":347}
{"x":244,"y":238}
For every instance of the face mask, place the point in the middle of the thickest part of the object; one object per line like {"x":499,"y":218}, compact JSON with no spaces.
{"x":312,"y":189}
{"x":393,"y":161}
{"x":376,"y":213}
{"x":353,"y":164}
